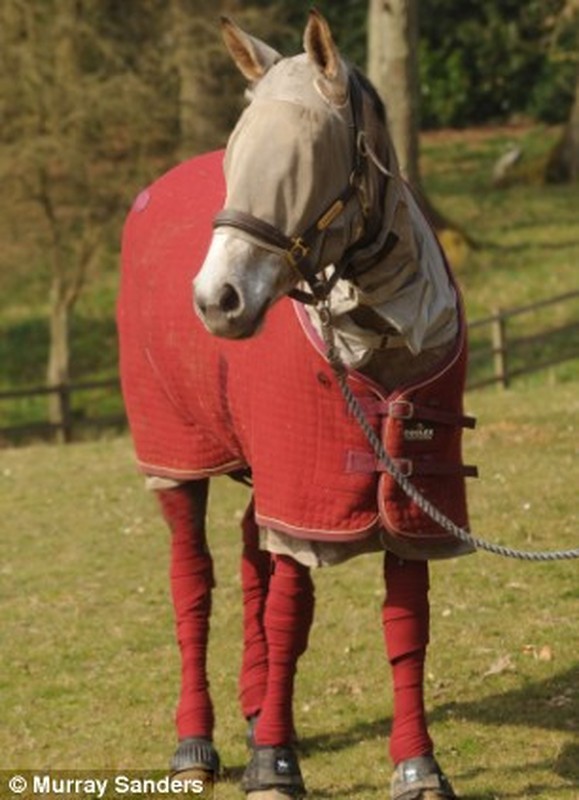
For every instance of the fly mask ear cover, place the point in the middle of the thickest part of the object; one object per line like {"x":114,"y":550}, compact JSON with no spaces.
{"x":292,"y":148}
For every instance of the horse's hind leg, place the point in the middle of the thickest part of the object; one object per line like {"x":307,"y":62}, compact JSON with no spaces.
{"x":273,"y":771}
{"x":405,"y":617}
{"x":255,"y":574}
{"x":184,"y":508}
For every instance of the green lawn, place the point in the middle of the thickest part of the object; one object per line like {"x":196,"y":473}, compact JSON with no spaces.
{"x":89,"y":671}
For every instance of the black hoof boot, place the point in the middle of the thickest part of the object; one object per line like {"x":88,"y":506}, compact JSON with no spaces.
{"x":197,"y":758}
{"x":273,"y":773}
{"x":420,"y":779}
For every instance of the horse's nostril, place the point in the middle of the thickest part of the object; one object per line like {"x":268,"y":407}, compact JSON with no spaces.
{"x":229,"y":300}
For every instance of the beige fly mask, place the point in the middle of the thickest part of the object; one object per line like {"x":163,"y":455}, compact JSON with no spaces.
{"x":291,"y":155}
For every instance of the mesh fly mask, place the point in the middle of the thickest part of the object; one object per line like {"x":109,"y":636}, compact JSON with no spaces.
{"x":305,"y":249}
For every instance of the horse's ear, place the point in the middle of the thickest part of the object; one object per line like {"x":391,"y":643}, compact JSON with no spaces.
{"x":322,"y":51}
{"x":252,"y":57}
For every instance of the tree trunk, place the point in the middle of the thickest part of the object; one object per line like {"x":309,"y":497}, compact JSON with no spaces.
{"x":393,"y":69}
{"x":563,"y":164}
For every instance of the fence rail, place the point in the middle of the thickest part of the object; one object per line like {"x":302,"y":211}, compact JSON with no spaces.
{"x":512,"y":355}
{"x":69,"y":420}
{"x":501,"y":352}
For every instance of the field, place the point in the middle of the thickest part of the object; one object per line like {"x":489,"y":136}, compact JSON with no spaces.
{"x":89,"y":671}
{"x":88,"y":667}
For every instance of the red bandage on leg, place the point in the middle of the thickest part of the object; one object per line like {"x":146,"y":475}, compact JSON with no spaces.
{"x":191,"y":584}
{"x":405,"y":616}
{"x":288,"y":618}
{"x":255,"y":572}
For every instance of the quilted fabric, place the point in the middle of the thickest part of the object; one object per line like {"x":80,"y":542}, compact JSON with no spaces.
{"x":432,"y":447}
{"x":199,"y":405}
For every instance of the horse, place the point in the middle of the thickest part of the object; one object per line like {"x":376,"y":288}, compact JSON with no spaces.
{"x":240,"y":271}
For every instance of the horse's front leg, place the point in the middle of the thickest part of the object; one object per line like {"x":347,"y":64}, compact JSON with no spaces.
{"x":184,"y":508}
{"x":256,"y":567}
{"x":405,"y":617}
{"x":273,"y":772}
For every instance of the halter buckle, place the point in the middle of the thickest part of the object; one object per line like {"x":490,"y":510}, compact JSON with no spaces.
{"x":401,"y":409}
{"x":298,"y":251}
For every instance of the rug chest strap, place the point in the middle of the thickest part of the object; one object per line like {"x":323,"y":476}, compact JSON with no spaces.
{"x":363,"y":462}
{"x":405,"y":409}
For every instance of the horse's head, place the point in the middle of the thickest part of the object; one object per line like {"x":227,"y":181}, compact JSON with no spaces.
{"x":296,"y":196}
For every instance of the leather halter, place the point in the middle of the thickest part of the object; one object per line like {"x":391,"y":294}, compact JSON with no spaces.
{"x":297,"y":249}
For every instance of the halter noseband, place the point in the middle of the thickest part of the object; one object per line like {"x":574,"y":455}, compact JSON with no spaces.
{"x":297,"y":249}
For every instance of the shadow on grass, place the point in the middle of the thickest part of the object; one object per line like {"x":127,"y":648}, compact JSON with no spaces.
{"x":336,"y":741}
{"x":551,"y":704}
{"x":565,"y":766}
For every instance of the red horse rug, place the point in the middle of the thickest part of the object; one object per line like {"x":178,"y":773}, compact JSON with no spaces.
{"x":200,"y":406}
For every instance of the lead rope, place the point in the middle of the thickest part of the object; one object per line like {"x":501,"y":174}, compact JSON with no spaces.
{"x":413,"y":493}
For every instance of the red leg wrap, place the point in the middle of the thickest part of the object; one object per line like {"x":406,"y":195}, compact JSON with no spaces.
{"x":255,"y":572}
{"x":405,"y":616}
{"x":191,"y":584}
{"x":288,"y":618}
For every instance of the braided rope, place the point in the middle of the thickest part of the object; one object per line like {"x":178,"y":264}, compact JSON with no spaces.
{"x":413,"y":493}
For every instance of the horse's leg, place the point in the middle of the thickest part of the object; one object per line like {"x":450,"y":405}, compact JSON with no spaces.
{"x":255,"y":573}
{"x":273,"y":771}
{"x":184,"y":508}
{"x":405,"y":617}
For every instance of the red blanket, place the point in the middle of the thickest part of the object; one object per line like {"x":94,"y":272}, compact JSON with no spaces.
{"x":199,"y":405}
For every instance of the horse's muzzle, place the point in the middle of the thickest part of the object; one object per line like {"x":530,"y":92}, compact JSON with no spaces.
{"x":227,"y":314}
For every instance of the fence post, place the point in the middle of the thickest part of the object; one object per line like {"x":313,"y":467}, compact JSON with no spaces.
{"x":499,"y":341}
{"x":65,"y":415}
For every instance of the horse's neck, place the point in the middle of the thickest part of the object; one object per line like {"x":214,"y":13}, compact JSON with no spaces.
{"x":398,"y":314}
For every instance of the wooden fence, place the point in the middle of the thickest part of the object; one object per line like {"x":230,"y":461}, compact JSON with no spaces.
{"x":69,"y":419}
{"x":498,"y":354}
{"x":505,"y":354}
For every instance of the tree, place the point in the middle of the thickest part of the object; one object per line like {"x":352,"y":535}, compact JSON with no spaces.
{"x":393,"y":68}
{"x":210,"y":91}
{"x":563,"y":163}
{"x":73,"y":118}
{"x":197,"y":56}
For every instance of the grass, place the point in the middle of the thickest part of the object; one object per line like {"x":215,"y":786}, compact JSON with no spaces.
{"x":88,"y":667}
{"x":527,"y":233}
{"x":89,"y":670}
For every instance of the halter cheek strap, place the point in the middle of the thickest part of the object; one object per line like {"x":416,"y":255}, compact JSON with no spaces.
{"x":298,"y":249}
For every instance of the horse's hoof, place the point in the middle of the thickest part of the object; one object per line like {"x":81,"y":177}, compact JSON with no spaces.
{"x":200,"y":783}
{"x":273,"y":774}
{"x":421,"y":779}
{"x":196,"y":759}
